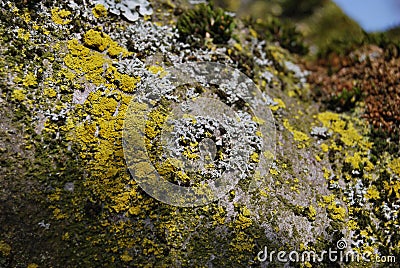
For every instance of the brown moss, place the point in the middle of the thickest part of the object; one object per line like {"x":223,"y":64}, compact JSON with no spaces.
{"x":340,"y":82}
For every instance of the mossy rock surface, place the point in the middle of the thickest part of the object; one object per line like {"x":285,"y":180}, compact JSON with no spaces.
{"x":69,"y":71}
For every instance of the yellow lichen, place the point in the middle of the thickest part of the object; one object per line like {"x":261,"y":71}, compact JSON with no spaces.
{"x":392,"y":187}
{"x":395,"y":166}
{"x":156,"y":69}
{"x":219,"y":217}
{"x":86,"y":133}
{"x":121,"y":200}
{"x":189,"y":153}
{"x":99,"y":11}
{"x":50,"y":92}
{"x":253,"y":33}
{"x":352,"y":224}
{"x":280,"y":105}
{"x":29,"y":80}
{"x":23,"y":34}
{"x":114,"y":50}
{"x":268,"y":155}
{"x":60,"y":16}
{"x":335,"y":211}
{"x":18,"y":94}
{"x":364,"y":233}
{"x":354,"y":160}
{"x":335,"y":147}
{"x":258,"y":120}
{"x":91,"y":63}
{"x":372,"y":193}
{"x":84,"y":61}
{"x":327,"y":173}
{"x":357,"y":161}
{"x":167,"y":167}
{"x":183,"y":177}
{"x":311,"y":213}
{"x":102,"y":41}
{"x":264,"y":193}
{"x":65,"y":236}
{"x":238,"y":47}
{"x":348,"y":134}
{"x":243,"y":220}
{"x":255,"y":157}
{"x":368,"y":166}
{"x":100,"y":141}
{"x":297,"y":135}
{"x":126,"y":257}
{"x":126,"y":82}
{"x":155,"y":122}
{"x":96,"y":39}
{"x":273,"y":171}
{"x":5,"y":248}
{"x":324,"y":147}
{"x":67,"y":73}
{"x":58,"y":214}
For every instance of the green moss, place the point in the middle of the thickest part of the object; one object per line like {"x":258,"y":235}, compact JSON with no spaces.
{"x":205,"y":21}
{"x":274,"y":30}
{"x":384,"y":142}
{"x":346,"y":99}
{"x":345,"y":44}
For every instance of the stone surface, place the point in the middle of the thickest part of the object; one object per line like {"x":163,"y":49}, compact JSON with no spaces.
{"x":69,"y":71}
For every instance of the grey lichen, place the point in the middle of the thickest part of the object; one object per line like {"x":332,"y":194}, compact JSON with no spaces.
{"x":129,"y":9}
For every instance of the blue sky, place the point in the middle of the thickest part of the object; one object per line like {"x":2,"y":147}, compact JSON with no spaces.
{"x":372,"y":15}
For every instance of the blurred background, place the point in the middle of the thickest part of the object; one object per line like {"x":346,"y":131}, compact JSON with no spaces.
{"x":323,"y":21}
